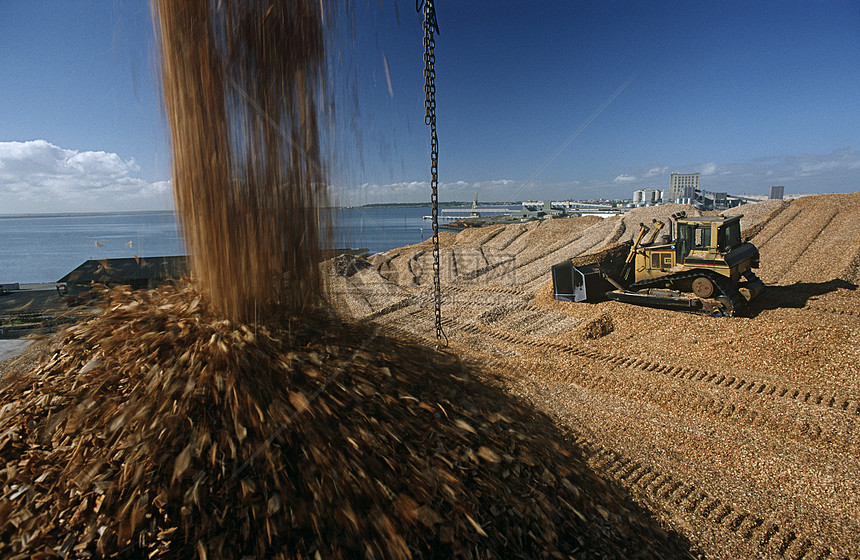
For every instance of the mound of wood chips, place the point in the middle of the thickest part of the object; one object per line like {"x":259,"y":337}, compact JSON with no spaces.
{"x":609,"y":254}
{"x":155,"y":430}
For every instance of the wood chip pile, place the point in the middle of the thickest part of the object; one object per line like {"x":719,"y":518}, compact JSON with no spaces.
{"x":740,"y":432}
{"x":157,"y":431}
{"x":812,"y":240}
{"x":610,"y":253}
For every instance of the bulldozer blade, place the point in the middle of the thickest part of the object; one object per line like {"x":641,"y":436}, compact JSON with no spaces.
{"x":572,"y":283}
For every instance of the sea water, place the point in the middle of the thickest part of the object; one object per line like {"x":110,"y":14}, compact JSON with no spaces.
{"x":44,"y":248}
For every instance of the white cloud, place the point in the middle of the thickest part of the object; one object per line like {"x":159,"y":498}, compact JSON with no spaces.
{"x":624,"y":179}
{"x":37,"y":176}
{"x":708,"y":168}
{"x":494,"y":183}
{"x":99,"y":163}
{"x":657,"y":171}
{"x":493,"y":190}
{"x":837,"y":171}
{"x":840,"y":160}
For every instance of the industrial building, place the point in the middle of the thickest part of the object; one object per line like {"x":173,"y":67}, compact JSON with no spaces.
{"x":683,"y":187}
{"x":647,"y":196}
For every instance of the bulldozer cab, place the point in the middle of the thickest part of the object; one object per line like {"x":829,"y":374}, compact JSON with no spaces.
{"x":685,"y":241}
{"x":692,"y":236}
{"x":729,"y":236}
{"x":712,"y":234}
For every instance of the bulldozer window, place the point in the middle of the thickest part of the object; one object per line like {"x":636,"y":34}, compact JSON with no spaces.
{"x":685,"y":241}
{"x":702,"y":239}
{"x":729,"y":236}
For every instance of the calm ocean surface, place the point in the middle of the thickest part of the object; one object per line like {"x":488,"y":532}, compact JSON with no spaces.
{"x":46,"y":248}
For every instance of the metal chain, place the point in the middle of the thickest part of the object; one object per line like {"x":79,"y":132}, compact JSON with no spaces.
{"x":431,"y":27}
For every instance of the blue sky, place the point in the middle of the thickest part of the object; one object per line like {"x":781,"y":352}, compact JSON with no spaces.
{"x":749,"y":94}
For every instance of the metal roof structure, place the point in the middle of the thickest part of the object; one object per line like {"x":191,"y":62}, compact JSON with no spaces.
{"x":141,"y":272}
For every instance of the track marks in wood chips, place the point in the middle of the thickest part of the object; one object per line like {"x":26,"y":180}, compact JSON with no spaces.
{"x":834,"y":310}
{"x":807,"y":243}
{"x":774,"y":227}
{"x":818,"y":225}
{"x":724,"y":381}
{"x":760,"y":533}
{"x":755,"y":405}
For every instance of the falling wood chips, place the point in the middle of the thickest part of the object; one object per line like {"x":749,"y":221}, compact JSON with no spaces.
{"x":157,"y":431}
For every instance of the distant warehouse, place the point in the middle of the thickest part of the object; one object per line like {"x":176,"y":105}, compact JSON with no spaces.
{"x":145,"y":272}
{"x":139,"y":273}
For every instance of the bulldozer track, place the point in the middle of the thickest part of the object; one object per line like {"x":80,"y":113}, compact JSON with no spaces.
{"x":490,"y":267}
{"x":852,"y":269}
{"x":389,"y":309}
{"x":490,"y":236}
{"x":527,"y":319}
{"x":522,"y":294}
{"x":617,"y":232}
{"x":559,"y":246}
{"x":567,"y":243}
{"x":596,"y":246}
{"x":518,"y":297}
{"x":413,"y":265}
{"x":742,"y":414}
{"x":724,"y":381}
{"x":725,"y":286}
{"x":763,"y":534}
{"x":522,"y":264}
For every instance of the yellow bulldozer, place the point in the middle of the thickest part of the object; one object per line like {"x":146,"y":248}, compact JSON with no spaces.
{"x":702,"y":266}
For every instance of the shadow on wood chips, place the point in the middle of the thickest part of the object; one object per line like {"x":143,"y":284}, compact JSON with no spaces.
{"x":156,"y":430}
{"x":795,"y":295}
